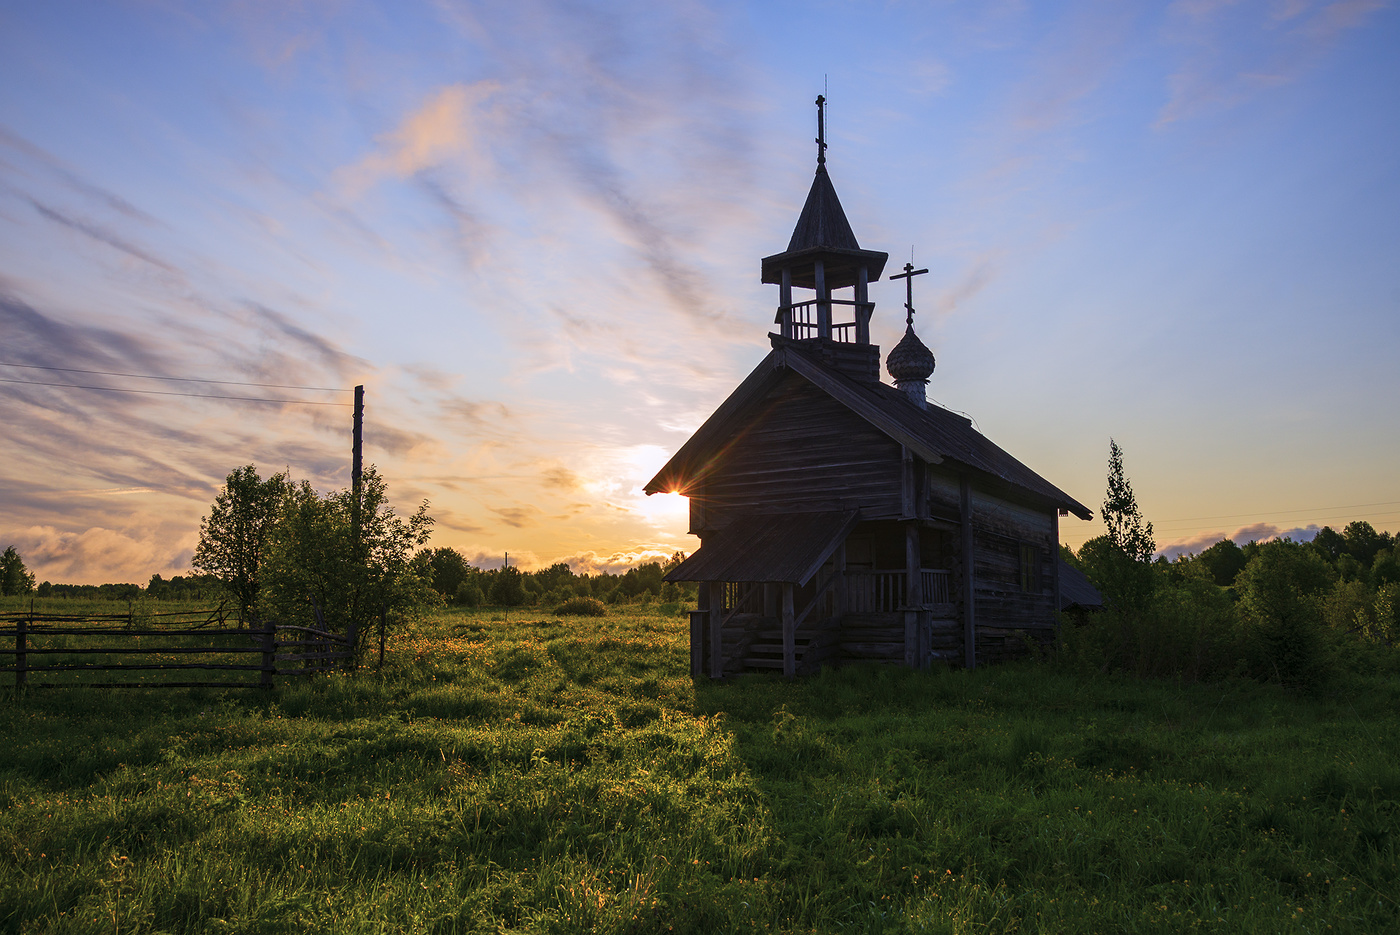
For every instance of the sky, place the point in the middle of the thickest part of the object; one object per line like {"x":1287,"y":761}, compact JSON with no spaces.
{"x":532,"y":232}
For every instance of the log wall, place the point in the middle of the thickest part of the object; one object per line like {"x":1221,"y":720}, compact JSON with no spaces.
{"x":805,"y":452}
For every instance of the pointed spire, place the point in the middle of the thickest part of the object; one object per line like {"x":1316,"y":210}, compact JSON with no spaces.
{"x":822,"y":223}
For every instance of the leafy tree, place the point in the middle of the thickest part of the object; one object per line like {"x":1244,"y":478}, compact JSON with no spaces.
{"x":1223,"y":562}
{"x":1386,"y":567}
{"x":1329,"y":544}
{"x":1126,"y":528}
{"x":1385,"y":617}
{"x":1363,"y":542}
{"x":14,"y":577}
{"x":556,"y":576}
{"x":507,"y":588}
{"x":447,"y":569}
{"x":234,"y":536}
{"x":1120,"y":563}
{"x":316,"y":558}
{"x":1282,"y":593}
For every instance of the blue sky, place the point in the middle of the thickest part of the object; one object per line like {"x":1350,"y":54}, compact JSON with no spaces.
{"x":533,"y":231}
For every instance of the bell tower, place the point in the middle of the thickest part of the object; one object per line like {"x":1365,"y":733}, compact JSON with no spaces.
{"x":824,"y":259}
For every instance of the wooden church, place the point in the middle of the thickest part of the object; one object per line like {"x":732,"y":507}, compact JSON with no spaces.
{"x":843,"y":519}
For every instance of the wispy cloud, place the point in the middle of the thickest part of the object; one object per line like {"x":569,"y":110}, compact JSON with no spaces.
{"x":1238,"y":49}
{"x":452,"y":124}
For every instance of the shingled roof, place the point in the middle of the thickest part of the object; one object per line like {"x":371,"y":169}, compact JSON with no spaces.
{"x":823,"y":221}
{"x":787,"y":547}
{"x":933,"y":433}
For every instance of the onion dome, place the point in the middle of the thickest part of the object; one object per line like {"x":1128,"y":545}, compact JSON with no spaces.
{"x":910,"y":360}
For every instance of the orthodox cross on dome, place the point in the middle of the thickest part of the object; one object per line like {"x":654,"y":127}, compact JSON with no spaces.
{"x":908,"y":276}
{"x":821,"y":129}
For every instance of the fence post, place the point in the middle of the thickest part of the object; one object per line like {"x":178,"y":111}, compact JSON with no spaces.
{"x":383,"y":613}
{"x":21,"y":676}
{"x":352,"y":635}
{"x":269,"y":654}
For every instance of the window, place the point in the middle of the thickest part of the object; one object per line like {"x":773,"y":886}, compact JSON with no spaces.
{"x":1030,"y":568}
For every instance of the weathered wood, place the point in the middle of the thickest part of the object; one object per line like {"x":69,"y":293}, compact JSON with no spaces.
{"x":969,"y":584}
{"x":789,"y":634}
{"x":140,"y":651}
{"x":716,"y":634}
{"x":871,"y":650}
{"x":269,"y":662}
{"x":838,"y":567}
{"x":148,"y":685}
{"x":21,"y":672}
{"x":697,"y":647}
{"x":823,"y":300}
{"x":145,"y":667}
{"x":37,"y":631}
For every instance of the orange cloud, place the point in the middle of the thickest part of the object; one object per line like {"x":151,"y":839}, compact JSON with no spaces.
{"x":98,"y":554}
{"x":447,"y":127}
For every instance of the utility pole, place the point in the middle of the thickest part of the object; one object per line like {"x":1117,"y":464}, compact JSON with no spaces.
{"x":356,"y":459}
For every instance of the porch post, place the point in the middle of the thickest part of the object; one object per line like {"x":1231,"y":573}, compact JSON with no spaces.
{"x":789,"y":633}
{"x":913,"y":594}
{"x":697,"y":630}
{"x":716,"y":638}
{"x":968,"y":573}
{"x":838,"y":564}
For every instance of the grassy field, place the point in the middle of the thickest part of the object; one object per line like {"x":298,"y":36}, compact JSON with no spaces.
{"x":536,"y":775}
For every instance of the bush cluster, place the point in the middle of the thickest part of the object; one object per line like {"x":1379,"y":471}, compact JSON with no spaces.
{"x":1301,"y":614}
{"x":582,"y":607}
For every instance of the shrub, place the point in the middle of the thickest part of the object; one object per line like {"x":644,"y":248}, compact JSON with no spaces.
{"x":469,"y":595}
{"x":582,"y":607}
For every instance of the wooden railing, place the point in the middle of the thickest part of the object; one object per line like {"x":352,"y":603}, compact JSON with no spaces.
{"x":803,"y":320}
{"x":49,"y":644}
{"x":882,"y":591}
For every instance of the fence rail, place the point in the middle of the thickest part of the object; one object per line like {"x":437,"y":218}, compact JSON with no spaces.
{"x":51,"y":637}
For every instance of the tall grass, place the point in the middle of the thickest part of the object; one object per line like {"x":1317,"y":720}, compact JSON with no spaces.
{"x":539,"y":775}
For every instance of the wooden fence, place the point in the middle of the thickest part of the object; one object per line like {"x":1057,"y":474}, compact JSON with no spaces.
{"x":196,"y":641}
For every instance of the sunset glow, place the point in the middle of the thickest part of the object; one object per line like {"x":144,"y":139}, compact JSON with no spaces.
{"x":532,"y":232}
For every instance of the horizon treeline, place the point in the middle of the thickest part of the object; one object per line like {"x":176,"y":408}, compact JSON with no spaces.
{"x":448,"y":573}
{"x":458,"y":582}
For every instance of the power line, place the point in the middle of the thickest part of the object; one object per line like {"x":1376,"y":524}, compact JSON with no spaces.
{"x":147,"y":376}
{"x":1318,"y":509}
{"x":114,"y":389}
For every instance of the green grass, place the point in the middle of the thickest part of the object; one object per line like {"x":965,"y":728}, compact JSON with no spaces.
{"x":564,"y":775}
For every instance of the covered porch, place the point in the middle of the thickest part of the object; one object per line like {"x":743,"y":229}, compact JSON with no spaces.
{"x":798,"y":591}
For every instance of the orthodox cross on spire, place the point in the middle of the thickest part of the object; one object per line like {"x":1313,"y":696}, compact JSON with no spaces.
{"x":821,"y":129}
{"x":908,"y":276}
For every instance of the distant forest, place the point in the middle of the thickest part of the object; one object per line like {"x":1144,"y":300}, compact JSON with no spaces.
{"x":1299,"y":613}
{"x":448,"y":573}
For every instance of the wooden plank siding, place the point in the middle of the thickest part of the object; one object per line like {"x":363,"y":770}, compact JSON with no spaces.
{"x":805,"y":452}
{"x":1010,"y":618}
